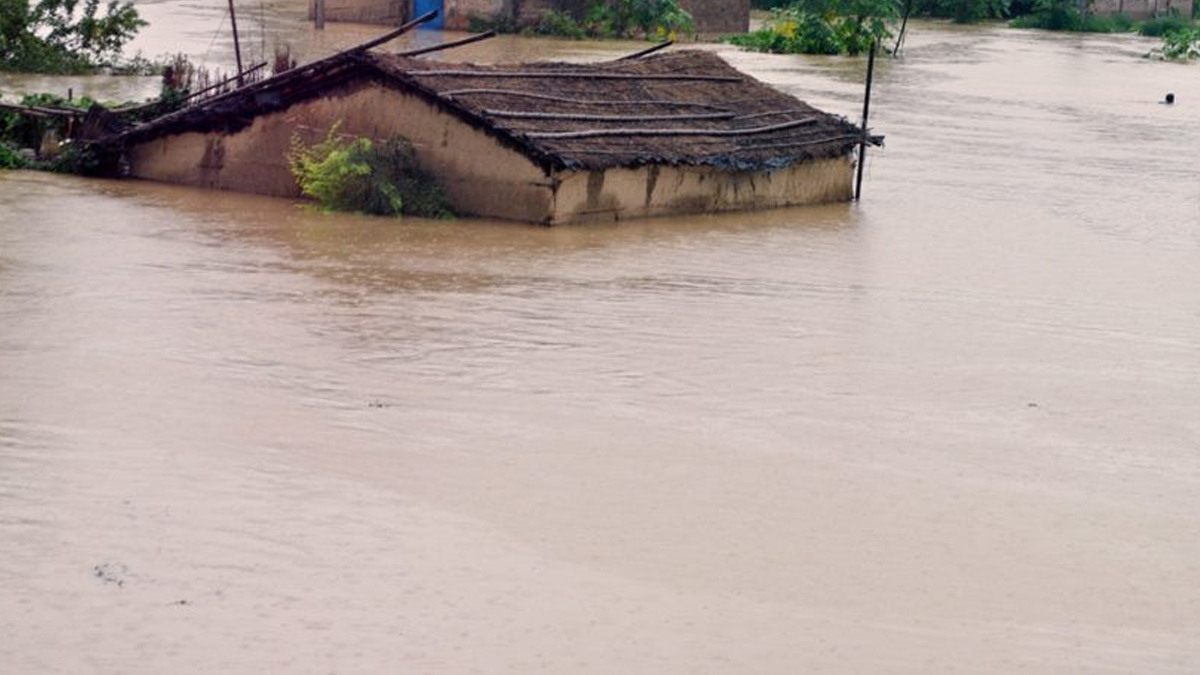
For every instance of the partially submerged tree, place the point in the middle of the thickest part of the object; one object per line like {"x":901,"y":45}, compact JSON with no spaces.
{"x":823,"y":27}
{"x":64,"y":36}
{"x":651,"y":19}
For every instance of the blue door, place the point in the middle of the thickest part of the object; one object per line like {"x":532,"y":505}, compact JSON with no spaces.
{"x":424,"y":7}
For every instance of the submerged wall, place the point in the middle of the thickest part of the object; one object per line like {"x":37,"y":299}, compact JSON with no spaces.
{"x":719,"y":17}
{"x":1143,"y":9}
{"x":384,"y":12}
{"x":596,"y":196}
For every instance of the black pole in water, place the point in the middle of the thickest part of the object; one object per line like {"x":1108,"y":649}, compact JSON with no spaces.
{"x":237,"y":46}
{"x":647,"y":51}
{"x":862,"y":146}
{"x":903,"y":26}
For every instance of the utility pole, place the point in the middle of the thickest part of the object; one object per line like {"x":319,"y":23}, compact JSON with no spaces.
{"x":319,"y":14}
{"x":237,"y":46}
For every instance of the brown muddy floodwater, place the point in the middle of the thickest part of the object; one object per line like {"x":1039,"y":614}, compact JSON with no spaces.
{"x":955,"y":427}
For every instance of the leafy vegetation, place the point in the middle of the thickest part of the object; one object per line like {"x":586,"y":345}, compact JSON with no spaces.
{"x":1179,"y":45}
{"x":1065,"y":15}
{"x":24,"y":131}
{"x":653,"y":19}
{"x":64,"y":36}
{"x":823,"y":27}
{"x":961,"y":11}
{"x":9,"y":159}
{"x":360,"y":175}
{"x":1159,"y":26}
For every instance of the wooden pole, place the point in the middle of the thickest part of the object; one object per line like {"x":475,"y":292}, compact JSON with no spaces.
{"x":862,"y":146}
{"x":237,"y":45}
{"x":319,"y":14}
{"x":904,"y":26}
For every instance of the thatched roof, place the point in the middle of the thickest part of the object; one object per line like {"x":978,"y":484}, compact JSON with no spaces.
{"x":685,"y":107}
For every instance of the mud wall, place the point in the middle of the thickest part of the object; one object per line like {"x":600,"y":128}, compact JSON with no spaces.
{"x":598,"y":196}
{"x":384,"y":12}
{"x":481,"y":176}
{"x":719,"y":17}
{"x":460,"y":12}
{"x":1142,"y":9}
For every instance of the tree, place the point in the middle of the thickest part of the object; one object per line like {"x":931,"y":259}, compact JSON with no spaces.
{"x":59,"y":36}
{"x":823,"y":27}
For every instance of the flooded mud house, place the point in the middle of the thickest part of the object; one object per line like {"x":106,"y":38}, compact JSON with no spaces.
{"x":546,"y":143}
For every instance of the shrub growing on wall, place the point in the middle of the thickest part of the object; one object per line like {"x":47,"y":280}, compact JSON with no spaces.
{"x":361,"y":175}
{"x":9,"y":159}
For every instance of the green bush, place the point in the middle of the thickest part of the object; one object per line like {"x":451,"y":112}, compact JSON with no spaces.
{"x":24,"y":131}
{"x":363,"y":176}
{"x":655,"y":19}
{"x":9,"y":159}
{"x":1064,"y":15}
{"x":1159,"y":26}
{"x":552,"y":22}
{"x":963,"y":11}
{"x":1179,"y":45}
{"x":823,"y":27}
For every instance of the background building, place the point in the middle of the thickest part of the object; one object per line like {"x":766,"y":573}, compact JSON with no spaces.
{"x":713,"y":17}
